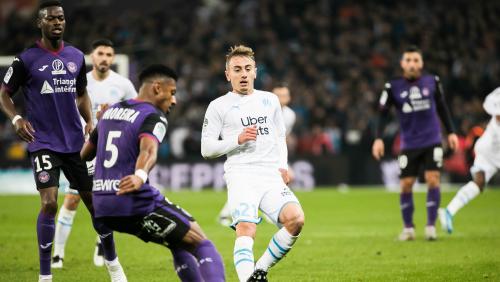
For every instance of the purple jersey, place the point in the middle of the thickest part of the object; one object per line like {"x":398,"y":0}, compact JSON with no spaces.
{"x":50,"y":82}
{"x":419,"y":104}
{"x":117,"y":139}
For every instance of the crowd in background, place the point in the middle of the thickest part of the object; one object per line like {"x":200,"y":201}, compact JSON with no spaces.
{"x":335,"y":55}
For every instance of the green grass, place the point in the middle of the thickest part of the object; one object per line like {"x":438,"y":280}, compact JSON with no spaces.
{"x":347,"y":237}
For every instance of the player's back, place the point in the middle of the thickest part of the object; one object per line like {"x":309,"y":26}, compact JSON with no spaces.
{"x":118,"y":136}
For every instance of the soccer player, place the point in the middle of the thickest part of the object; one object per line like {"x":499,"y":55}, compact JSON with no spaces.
{"x":420,"y":103}
{"x":289,"y":117}
{"x":51,"y":74}
{"x":126,"y":144}
{"x":486,"y":163}
{"x":247,"y":126}
{"x":105,"y":87}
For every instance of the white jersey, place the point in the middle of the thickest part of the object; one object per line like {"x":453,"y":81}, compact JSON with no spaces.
{"x":111,"y":90}
{"x":488,"y":145}
{"x":289,"y":118}
{"x":226,"y":117}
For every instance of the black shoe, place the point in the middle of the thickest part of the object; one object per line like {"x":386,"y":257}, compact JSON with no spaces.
{"x":57,"y":262}
{"x":258,"y":275}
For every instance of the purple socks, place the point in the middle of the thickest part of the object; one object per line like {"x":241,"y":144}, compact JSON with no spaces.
{"x":45,"y":229}
{"x":186,"y":266}
{"x":433,"y":202}
{"x":210,"y":262}
{"x":407,"y":208}
{"x":107,"y":241}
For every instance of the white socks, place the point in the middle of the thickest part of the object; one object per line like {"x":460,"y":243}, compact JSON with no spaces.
{"x":243,"y":257}
{"x":63,"y":228}
{"x":468,"y":192}
{"x":278,"y":247}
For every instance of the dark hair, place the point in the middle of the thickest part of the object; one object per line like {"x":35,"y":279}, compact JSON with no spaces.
{"x":412,"y":48}
{"x":49,"y":3}
{"x":102,"y":42}
{"x":156,"y":70}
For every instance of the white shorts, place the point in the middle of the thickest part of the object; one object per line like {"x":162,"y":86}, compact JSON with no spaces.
{"x":482,"y":163}
{"x":90,"y":169}
{"x":247,"y":192}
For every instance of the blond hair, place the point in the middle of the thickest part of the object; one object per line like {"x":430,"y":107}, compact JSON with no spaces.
{"x":239,"y":50}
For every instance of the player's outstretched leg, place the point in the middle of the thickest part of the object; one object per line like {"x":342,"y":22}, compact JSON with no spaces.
{"x":210,"y":262}
{"x":466,"y":194}
{"x":45,"y":228}
{"x":63,"y":226}
{"x":292,"y":218}
{"x":433,"y":202}
{"x":407,"y":209}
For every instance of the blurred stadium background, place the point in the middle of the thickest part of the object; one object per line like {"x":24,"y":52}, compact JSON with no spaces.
{"x":336,"y":56}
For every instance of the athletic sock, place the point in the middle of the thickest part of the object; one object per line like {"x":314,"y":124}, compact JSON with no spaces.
{"x":278,"y":247}
{"x":407,"y":208}
{"x":210,"y":262}
{"x":45,"y":228}
{"x":466,"y":194}
{"x":186,"y":265}
{"x":433,"y":202}
{"x":63,"y":228}
{"x":243,"y":257}
{"x":107,"y":241}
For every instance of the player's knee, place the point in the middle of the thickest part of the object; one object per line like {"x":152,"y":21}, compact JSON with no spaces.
{"x":246,"y":229}
{"x":432,"y":179}
{"x":480,"y":180}
{"x":71,"y":202}
{"x":406,"y":185}
{"x":49,"y":206}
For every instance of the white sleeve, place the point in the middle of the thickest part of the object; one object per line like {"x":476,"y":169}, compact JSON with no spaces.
{"x":129,"y":90}
{"x":281,"y":136}
{"x":211,"y":146}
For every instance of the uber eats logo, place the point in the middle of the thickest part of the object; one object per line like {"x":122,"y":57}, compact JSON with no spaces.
{"x":259,"y":121}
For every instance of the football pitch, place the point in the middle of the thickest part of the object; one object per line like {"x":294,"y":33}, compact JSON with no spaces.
{"x":348,"y":236}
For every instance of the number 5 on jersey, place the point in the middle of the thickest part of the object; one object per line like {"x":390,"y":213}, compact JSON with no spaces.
{"x":112,"y":148}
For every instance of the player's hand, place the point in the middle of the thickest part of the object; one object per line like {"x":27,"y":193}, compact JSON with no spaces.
{"x":248,"y":134}
{"x":102,"y":109}
{"x":378,"y":149}
{"x":25,"y":130}
{"x":285,"y":175}
{"x":88,"y":129}
{"x":453,"y":141}
{"x":129,"y":184}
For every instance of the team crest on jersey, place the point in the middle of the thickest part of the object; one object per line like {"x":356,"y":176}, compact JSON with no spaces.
{"x":58,"y":67}
{"x":43,"y":177}
{"x":72,"y":67}
{"x":425,"y":91}
{"x":8,"y":75}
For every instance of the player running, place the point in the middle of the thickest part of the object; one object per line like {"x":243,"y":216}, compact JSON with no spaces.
{"x":125,"y":144}
{"x":51,"y":74}
{"x":247,"y":126}
{"x":105,"y":87}
{"x":486,"y":163}
{"x":420,"y":103}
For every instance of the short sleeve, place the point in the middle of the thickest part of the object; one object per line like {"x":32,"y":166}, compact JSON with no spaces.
{"x":15,"y":77}
{"x":155,"y":125}
{"x":81,"y":79}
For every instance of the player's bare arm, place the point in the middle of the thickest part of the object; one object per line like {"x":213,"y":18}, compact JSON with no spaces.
{"x":148,"y":148}
{"x":453,"y":141}
{"x":23,"y":128}
{"x":378,"y":149}
{"x":85,"y":109}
